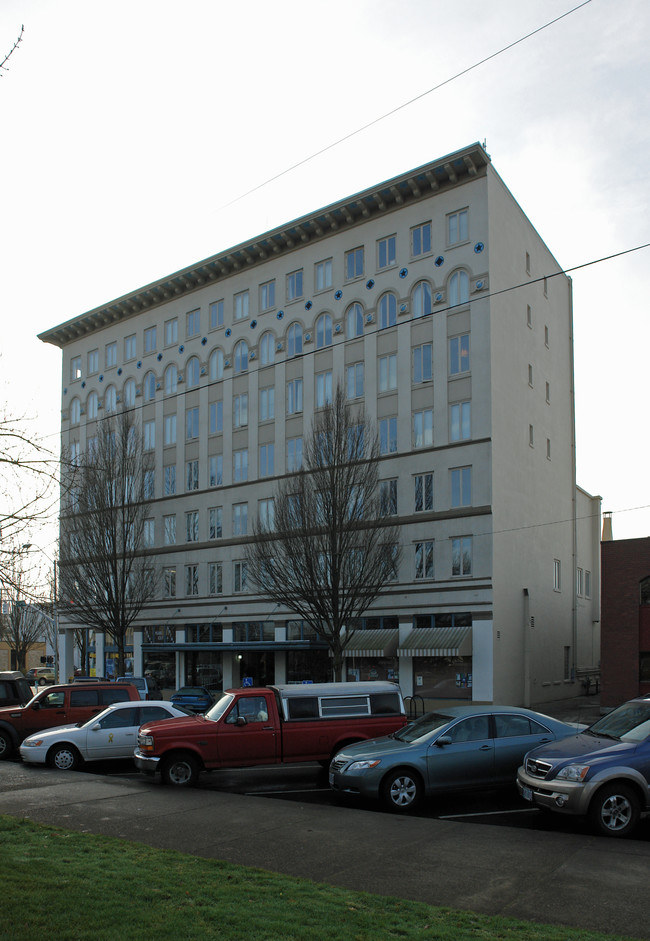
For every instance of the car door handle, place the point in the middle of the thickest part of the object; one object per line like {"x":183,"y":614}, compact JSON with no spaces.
{"x":485,"y":748}
{"x":268,"y":728}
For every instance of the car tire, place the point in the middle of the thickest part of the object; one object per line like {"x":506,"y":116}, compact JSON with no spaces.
{"x":180,"y":770}
{"x":64,"y":758}
{"x":615,"y":810}
{"x":6,"y":746}
{"x":42,"y":681}
{"x":401,"y":790}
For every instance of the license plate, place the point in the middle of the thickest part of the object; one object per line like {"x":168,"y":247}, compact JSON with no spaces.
{"x":331,"y":779}
{"x":527,"y":793}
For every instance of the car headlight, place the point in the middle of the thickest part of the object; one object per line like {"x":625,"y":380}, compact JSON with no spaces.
{"x":32,"y":742}
{"x":364,"y":765}
{"x":572,"y":773}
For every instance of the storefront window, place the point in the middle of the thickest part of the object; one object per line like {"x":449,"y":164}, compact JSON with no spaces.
{"x":442,"y":677}
{"x":313,"y":666}
{"x":204,"y":668}
{"x":372,"y":668}
{"x":162,"y":666}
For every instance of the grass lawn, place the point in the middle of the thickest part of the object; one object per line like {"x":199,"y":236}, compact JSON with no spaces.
{"x":56,"y":884}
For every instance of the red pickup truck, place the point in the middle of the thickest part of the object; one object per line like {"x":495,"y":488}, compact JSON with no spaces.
{"x":269,"y":725}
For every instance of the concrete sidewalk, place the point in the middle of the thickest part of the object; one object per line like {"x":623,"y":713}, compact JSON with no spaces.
{"x":561,"y":878}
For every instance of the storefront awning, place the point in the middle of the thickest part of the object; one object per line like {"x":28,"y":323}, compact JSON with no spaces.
{"x":438,"y":642}
{"x":373,"y":643}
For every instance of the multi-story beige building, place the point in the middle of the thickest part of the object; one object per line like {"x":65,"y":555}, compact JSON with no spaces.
{"x":432,"y":298}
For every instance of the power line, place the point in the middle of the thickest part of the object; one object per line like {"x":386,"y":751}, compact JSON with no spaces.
{"x":401,"y":107}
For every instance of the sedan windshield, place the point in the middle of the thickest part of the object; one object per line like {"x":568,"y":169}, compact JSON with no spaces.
{"x":219,"y":707}
{"x":629,"y":723}
{"x":430,"y":722}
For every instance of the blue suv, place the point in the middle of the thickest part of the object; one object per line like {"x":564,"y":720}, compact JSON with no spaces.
{"x":602,"y":773}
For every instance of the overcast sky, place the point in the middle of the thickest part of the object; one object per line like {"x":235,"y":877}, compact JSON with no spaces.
{"x":127,"y":128}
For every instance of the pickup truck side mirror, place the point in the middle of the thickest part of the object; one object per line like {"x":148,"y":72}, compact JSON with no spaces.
{"x":36,"y":705}
{"x":443,"y":740}
{"x":241,"y":720}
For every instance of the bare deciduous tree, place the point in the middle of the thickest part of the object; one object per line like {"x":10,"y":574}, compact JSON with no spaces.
{"x":329,"y":550}
{"x":22,"y":625}
{"x":105,"y":578}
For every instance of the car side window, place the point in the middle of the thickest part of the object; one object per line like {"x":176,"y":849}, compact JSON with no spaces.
{"x":109,"y":696}
{"x":473,"y":729}
{"x":151,"y":713}
{"x":52,"y":701}
{"x":120,"y":719}
{"x":83,"y":697}
{"x":253,"y":709}
{"x":507,"y":726}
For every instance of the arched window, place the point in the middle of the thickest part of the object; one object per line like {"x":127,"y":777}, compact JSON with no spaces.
{"x":294,"y":340}
{"x":267,"y":349}
{"x":323,"y":331}
{"x":149,"y":387}
{"x":75,"y":412}
{"x":354,"y":324}
{"x":192,"y":372}
{"x":241,"y":356}
{"x":171,"y":379}
{"x":216,"y":365}
{"x":458,"y":288}
{"x":422,"y":299}
{"x":387,"y":311}
{"x":92,"y":405}
{"x":129,"y":393}
{"x":111,"y":399}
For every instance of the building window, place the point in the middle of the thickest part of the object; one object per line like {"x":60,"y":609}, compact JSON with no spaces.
{"x":241,"y":305}
{"x":580,"y":582}
{"x":267,"y":349}
{"x":149,"y":429}
{"x":294,"y":396}
{"x":459,"y":421}
{"x":546,"y":337}
{"x":423,"y":484}
{"x":170,"y":479}
{"x":193,"y":325}
{"x":215,"y":578}
{"x":323,"y":331}
{"x":421,"y":300}
{"x":192,"y":526}
{"x":171,"y":380}
{"x":150,"y":339}
{"x":529,"y":316}
{"x":387,"y":435}
{"x":216,"y":470}
{"x":354,"y":321}
{"x":240,"y":576}
{"x":354,"y":380}
{"x":387,"y":372}
{"x":192,"y":423}
{"x":215,"y":365}
{"x":388,"y":497}
{"x":354,"y":264}
{"x":75,"y":412}
{"x":459,"y":354}
{"x":267,"y":460}
{"x":424,"y":559}
{"x":294,"y":454}
{"x":215,"y":522}
{"x":548,"y":393}
{"x":294,"y":285}
{"x":387,"y":311}
{"x":169,"y":530}
{"x":129,"y":393}
{"x":267,"y":403}
{"x":192,"y":372}
{"x":75,"y":368}
{"x":531,"y":436}
{"x":557,"y":575}
{"x":567,"y":663}
{"x":386,"y":255}
{"x":191,"y":579}
{"x":587,"y":584}
{"x":169,"y":582}
{"x":170,"y":430}
{"x":548,"y":449}
{"x":422,"y":363}
{"x":171,"y":331}
{"x":216,"y":314}
{"x":457,"y":227}
{"x":149,"y":387}
{"x":215,"y":418}
{"x":267,"y":295}
{"x":266,"y":514}
{"x":530,"y":375}
{"x":458,"y":288}
{"x":93,"y":405}
{"x":192,"y":475}
{"x":110,"y":400}
{"x":93,"y":361}
{"x":423,"y":428}
{"x":461,"y":555}
{"x":421,"y":239}
{"x":294,"y":340}
{"x":130,"y":347}
{"x":240,"y":465}
{"x":527,"y":262}
{"x":461,"y":486}
{"x":323,"y":389}
{"x":240,"y":519}
{"x":241,"y":356}
{"x":111,"y":355}
{"x":323,"y":275}
{"x":240,"y":410}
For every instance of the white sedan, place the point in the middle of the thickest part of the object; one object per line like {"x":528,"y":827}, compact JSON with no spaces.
{"x":111,"y":734}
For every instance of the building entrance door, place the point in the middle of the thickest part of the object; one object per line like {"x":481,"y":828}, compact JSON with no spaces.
{"x":259,"y":666}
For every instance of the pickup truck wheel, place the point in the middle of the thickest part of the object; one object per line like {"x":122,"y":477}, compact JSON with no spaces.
{"x":614,"y":811}
{"x":181,"y":771}
{"x":6,"y":746}
{"x":64,"y":758}
{"x":401,"y":790}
